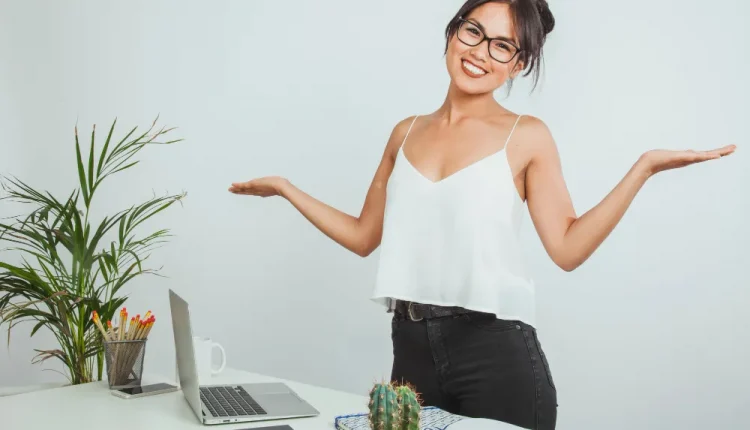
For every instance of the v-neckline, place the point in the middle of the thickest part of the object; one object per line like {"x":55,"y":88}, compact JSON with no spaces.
{"x":465,"y":168}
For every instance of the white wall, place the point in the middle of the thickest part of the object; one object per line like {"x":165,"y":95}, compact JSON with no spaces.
{"x":649,"y":333}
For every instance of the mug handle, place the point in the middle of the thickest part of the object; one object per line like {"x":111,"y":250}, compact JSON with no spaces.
{"x":223,"y":359}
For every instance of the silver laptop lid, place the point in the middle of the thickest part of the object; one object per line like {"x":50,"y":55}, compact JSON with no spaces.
{"x":183,"y":342}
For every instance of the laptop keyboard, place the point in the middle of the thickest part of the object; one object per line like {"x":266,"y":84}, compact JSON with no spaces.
{"x":229,"y":402}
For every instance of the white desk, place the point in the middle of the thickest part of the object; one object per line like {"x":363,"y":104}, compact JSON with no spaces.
{"x":89,"y":406}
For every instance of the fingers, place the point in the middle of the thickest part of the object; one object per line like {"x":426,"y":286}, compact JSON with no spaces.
{"x":708,"y":155}
{"x":239,"y":190}
{"x":726,"y":150}
{"x":693,"y":156}
{"x":718,"y":153}
{"x":247,"y":189}
{"x":240,"y":186}
{"x":243,"y":192}
{"x":714,"y":154}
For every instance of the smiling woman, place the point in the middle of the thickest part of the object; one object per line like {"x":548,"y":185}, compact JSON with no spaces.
{"x":521,"y":33}
{"x":444,"y":207}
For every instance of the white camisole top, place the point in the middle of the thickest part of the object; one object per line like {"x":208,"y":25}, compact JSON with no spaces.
{"x":455,"y":242}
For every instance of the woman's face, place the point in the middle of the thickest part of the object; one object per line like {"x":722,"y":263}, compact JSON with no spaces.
{"x":472,"y":69}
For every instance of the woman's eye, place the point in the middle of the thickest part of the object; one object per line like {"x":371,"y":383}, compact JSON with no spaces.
{"x":502,"y":46}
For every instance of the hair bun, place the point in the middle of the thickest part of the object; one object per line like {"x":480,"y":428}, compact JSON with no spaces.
{"x":545,"y":15}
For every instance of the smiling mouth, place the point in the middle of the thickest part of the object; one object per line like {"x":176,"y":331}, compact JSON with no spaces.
{"x":472,"y":68}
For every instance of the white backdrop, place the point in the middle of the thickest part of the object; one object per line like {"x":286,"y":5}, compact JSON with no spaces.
{"x":649,"y":333}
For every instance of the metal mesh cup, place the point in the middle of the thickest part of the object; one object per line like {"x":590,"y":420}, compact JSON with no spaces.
{"x":124,"y":362}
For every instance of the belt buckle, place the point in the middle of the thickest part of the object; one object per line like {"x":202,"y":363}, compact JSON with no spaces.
{"x":411,"y":314}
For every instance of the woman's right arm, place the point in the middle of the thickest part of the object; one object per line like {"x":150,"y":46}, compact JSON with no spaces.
{"x":361,"y":234}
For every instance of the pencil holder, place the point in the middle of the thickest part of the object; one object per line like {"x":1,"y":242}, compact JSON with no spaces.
{"x":124,"y":360}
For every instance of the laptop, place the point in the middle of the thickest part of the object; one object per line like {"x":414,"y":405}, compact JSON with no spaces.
{"x":231,"y":403}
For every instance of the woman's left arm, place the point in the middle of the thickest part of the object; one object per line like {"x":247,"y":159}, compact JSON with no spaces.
{"x":569,"y":239}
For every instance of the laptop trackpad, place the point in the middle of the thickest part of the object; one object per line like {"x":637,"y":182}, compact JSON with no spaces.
{"x":278,"y":399}
{"x":280,"y":403}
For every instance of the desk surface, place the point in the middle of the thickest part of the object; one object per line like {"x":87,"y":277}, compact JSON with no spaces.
{"x":92,"y":406}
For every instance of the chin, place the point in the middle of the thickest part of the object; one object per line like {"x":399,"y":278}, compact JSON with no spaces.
{"x":471,"y":87}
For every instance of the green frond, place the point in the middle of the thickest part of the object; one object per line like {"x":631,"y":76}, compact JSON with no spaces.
{"x":73,"y":272}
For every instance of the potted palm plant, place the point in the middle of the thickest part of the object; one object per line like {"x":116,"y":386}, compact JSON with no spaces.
{"x":64,"y":267}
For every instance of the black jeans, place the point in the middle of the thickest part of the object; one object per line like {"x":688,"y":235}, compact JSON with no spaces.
{"x":478,"y":366}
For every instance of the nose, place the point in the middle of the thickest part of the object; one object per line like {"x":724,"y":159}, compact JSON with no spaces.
{"x":479,"y":52}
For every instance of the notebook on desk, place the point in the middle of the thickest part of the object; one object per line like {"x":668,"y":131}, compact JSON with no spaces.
{"x":432,"y":419}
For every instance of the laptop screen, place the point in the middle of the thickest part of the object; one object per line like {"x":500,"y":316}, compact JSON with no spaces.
{"x":183,"y":342}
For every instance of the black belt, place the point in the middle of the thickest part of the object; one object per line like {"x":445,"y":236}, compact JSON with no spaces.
{"x":419,"y":311}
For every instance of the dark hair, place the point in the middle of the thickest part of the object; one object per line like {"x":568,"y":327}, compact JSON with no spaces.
{"x":532,"y":21}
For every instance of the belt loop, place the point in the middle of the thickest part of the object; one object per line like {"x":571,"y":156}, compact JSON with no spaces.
{"x":411,"y":314}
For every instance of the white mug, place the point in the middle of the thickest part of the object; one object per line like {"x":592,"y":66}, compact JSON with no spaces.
{"x":204,"y":347}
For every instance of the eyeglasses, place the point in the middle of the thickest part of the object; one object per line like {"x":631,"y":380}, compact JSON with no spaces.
{"x":499,"y":48}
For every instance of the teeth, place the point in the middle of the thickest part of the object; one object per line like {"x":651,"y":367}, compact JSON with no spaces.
{"x":473,"y":69}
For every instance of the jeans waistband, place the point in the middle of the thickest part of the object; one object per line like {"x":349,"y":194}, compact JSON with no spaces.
{"x":421,"y":311}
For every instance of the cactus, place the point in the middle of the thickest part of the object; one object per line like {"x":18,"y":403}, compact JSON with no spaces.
{"x":410,"y":407}
{"x":384,"y":408}
{"x":394,"y":407}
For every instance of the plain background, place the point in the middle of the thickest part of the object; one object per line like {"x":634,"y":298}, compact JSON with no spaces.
{"x":649,"y":333}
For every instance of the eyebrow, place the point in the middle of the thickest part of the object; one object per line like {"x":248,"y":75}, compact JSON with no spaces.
{"x":481,"y":27}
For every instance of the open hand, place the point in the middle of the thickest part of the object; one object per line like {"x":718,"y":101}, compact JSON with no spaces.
{"x":262,"y":187}
{"x":661,"y":159}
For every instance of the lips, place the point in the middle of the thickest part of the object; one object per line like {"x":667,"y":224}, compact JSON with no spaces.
{"x":472,"y":69}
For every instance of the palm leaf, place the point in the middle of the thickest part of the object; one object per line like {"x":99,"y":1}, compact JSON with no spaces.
{"x":91,"y":161}
{"x":81,"y":172}
{"x":45,"y":355}
{"x":37,"y":327}
{"x":61,"y":291}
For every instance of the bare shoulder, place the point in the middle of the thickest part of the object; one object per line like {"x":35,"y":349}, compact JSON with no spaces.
{"x":534,"y":130}
{"x":403,"y":126}
{"x":398,"y":134}
{"x":534,"y":136}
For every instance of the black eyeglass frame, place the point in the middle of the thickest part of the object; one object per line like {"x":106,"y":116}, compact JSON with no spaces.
{"x":462,"y":21}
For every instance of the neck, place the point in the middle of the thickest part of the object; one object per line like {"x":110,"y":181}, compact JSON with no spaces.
{"x":459,"y":105}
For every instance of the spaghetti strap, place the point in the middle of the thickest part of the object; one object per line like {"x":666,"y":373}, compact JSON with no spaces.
{"x":409,"y":130}
{"x":512,"y":130}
